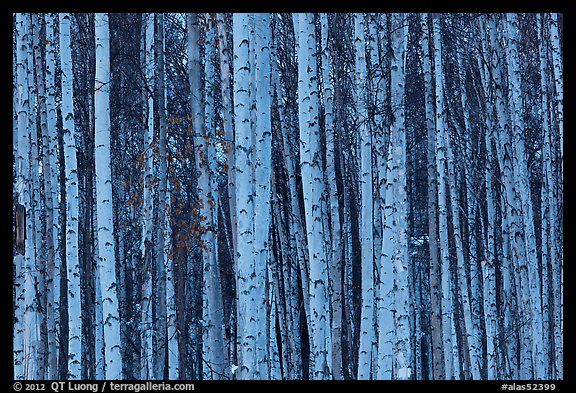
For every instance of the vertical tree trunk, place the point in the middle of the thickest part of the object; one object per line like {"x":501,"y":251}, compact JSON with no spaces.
{"x":402,"y":345}
{"x":215,"y":363}
{"x":72,"y":211}
{"x":53,"y":307}
{"x":335,"y":231}
{"x":489,"y":264}
{"x":313,"y":189}
{"x":367,"y":334}
{"x":531,"y":275}
{"x":262,"y":169}
{"x":244,"y":201}
{"x":446,"y":284}
{"x":435,"y":275}
{"x":23,"y":187}
{"x":148,"y":205}
{"x":106,"y":254}
{"x":160,"y":326}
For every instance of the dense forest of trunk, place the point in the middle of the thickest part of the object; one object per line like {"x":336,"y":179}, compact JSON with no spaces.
{"x":288,"y":196}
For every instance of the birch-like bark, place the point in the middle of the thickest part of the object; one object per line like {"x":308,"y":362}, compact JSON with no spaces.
{"x":435,"y":275}
{"x":214,"y":358}
{"x":367,"y":333}
{"x":23,"y":187}
{"x":521,"y":171}
{"x":559,"y":85}
{"x":402,"y":345}
{"x":386,"y":284}
{"x":556,"y":236}
{"x":446,"y":284}
{"x":313,"y":191}
{"x":489,"y":264}
{"x":246,"y":302}
{"x":47,"y":270}
{"x":510,"y":212}
{"x":160,"y":320}
{"x":196,"y":92}
{"x":106,"y":254}
{"x":335,"y":231}
{"x":54,"y":305}
{"x":262,"y":169}
{"x":148,"y":205}
{"x":72,"y":211}
{"x":547,"y":199}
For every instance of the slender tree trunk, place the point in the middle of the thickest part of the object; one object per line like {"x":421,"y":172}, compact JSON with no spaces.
{"x":435,"y":275}
{"x":367,"y":333}
{"x":148,"y":205}
{"x":446,"y":284}
{"x":313,"y":189}
{"x":106,"y":254}
{"x":402,"y":358}
{"x":72,"y":210}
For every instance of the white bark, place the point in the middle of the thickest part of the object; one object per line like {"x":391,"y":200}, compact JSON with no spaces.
{"x":510,"y":212}
{"x":72,"y":218}
{"x":213,"y":314}
{"x":435,"y":292}
{"x":386,"y":284}
{"x":313,"y":190}
{"x":402,"y":345}
{"x":262,"y":170}
{"x":335,"y":231}
{"x":557,"y":263}
{"x":147,"y":206}
{"x":367,"y":333}
{"x":246,"y":304}
{"x":54,"y":302}
{"x":521,"y":171}
{"x":446,"y":282}
{"x":488,"y":265}
{"x":106,"y":254}
{"x":21,"y":350}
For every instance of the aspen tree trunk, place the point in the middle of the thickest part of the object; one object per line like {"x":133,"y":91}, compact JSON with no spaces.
{"x":196,"y":91}
{"x":313,"y":189}
{"x":555,"y":228}
{"x":559,"y":85}
{"x":262,"y":151}
{"x":21,"y":260}
{"x":213,"y":331}
{"x":435,"y":275}
{"x":335,"y":231}
{"x":547,"y":199}
{"x":367,"y":334}
{"x":386,"y":285}
{"x":402,"y":358}
{"x":160,"y":324}
{"x":244,"y":202}
{"x":106,"y":254}
{"x":53,"y":307}
{"x":72,"y":197}
{"x":446,"y":284}
{"x":489,"y":264}
{"x":48,"y":223}
{"x":147,"y":206}
{"x":34,"y":286}
{"x":521,"y":170}
{"x":510,"y":212}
